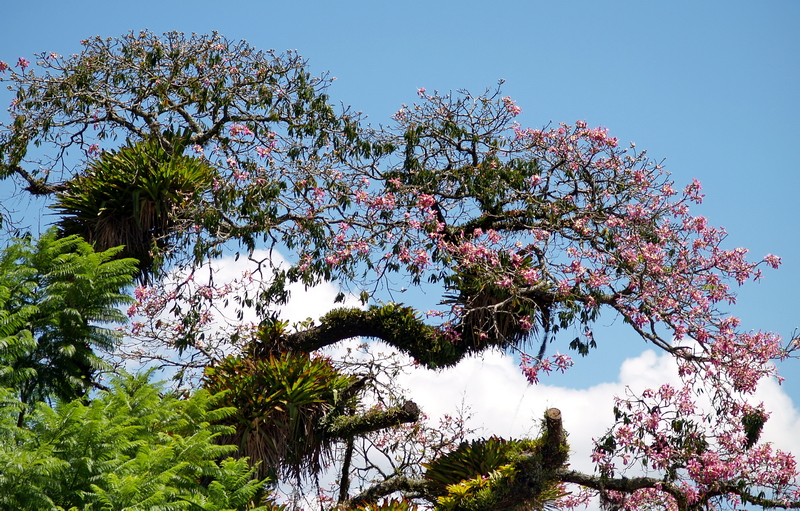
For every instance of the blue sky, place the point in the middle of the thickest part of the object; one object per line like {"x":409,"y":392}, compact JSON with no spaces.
{"x":713,"y":87}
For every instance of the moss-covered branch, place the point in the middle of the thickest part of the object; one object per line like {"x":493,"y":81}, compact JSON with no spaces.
{"x":348,"y":426}
{"x":407,"y":485}
{"x":393,"y":324}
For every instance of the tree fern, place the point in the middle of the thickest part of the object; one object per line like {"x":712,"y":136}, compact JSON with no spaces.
{"x":133,"y":447}
{"x":56,"y":297}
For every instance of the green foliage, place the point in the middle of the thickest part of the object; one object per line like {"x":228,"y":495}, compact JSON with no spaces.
{"x":401,"y":327}
{"x":129,"y":449}
{"x":753,"y":422}
{"x":493,"y":474}
{"x":55,"y":293}
{"x":471,"y":459}
{"x":281,"y":402}
{"x":389,"y":505}
{"x":478,"y":493}
{"x":137,"y":196}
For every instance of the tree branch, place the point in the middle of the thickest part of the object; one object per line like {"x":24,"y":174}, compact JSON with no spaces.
{"x":348,"y":426}
{"x":399,"y":483}
{"x":37,"y":186}
{"x":630,"y":485}
{"x":622,"y":484}
{"x":394,"y":324}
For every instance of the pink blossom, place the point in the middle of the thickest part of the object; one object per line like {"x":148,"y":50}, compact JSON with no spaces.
{"x":240,"y":129}
{"x":562,"y":362}
{"x":531,"y":276}
{"x":511,"y":107}
{"x":535,"y":180}
{"x":505,"y":281}
{"x":425,"y":201}
{"x":772,"y":260}
{"x":361,"y":196}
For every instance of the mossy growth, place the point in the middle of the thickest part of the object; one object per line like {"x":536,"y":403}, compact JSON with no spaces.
{"x":348,"y":426}
{"x":395,"y":324}
{"x":497,"y":474}
{"x":400,"y":327}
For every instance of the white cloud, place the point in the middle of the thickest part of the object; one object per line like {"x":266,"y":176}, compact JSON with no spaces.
{"x":503,"y":403}
{"x":784,"y":423}
{"x":304,"y":303}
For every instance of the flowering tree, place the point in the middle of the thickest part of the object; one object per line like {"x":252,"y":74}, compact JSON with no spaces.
{"x":527,"y":233}
{"x":257,"y":119}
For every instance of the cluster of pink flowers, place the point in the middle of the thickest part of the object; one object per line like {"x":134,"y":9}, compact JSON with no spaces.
{"x":148,"y":302}
{"x":532,"y":367}
{"x":511,"y":107}
{"x":240,"y":130}
{"x":668,"y":431}
{"x":263,"y":151}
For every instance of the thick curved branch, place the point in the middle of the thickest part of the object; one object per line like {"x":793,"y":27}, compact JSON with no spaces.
{"x":394,"y":324}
